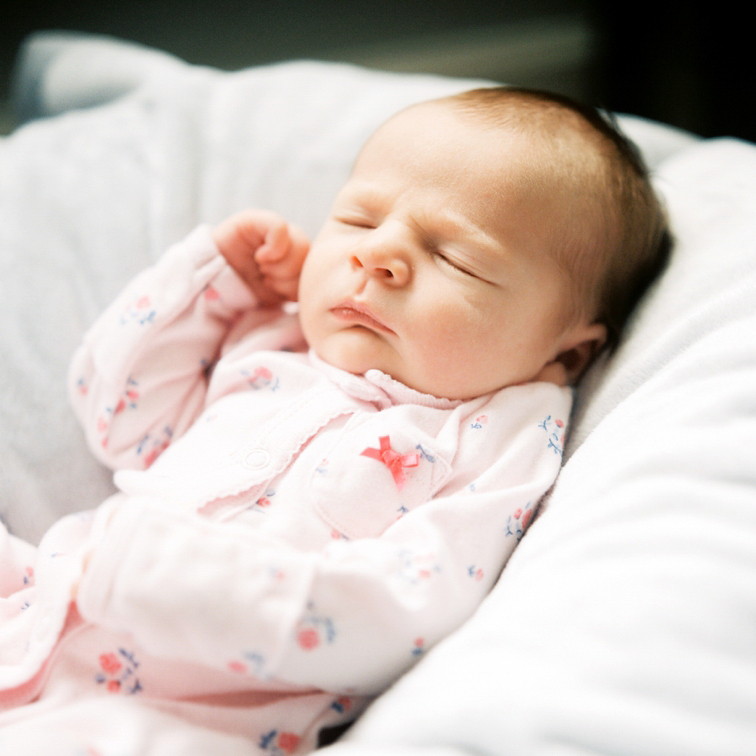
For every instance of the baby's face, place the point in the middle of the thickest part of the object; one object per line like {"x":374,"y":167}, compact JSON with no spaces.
{"x":433,"y":267}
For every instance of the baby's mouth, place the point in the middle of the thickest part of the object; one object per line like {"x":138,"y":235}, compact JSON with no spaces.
{"x":359,"y":315}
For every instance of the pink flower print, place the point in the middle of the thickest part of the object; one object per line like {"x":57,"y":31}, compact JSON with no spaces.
{"x":419,"y":648}
{"x":322,"y":468}
{"x":515,"y":525}
{"x":253,"y":664}
{"x":479,"y":422}
{"x":315,"y":629}
{"x":308,"y":638}
{"x":417,"y":567}
{"x":130,"y":395}
{"x":153,"y":454}
{"x":110,"y":664}
{"x":156,"y":446}
{"x":264,"y":502}
{"x":260,"y":378}
{"x":28,"y":575}
{"x":556,"y":437}
{"x":210,"y":293}
{"x":288,"y":742}
{"x":342,"y":704}
{"x":476,"y":573}
{"x":119,"y":672}
{"x":528,"y":516}
{"x":395,"y":461}
{"x":139,"y":312}
{"x":278,"y":743}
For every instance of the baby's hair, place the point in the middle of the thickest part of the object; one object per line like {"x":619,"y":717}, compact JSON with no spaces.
{"x":614,"y":257}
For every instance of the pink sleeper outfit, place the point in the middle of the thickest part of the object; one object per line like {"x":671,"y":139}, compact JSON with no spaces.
{"x":287,"y":539}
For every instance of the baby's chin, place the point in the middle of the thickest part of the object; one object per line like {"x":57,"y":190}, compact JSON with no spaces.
{"x":356,"y":350}
{"x":362,"y":364}
{"x":353,"y":361}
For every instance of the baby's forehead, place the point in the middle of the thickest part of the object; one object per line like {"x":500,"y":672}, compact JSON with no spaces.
{"x":435,"y":131}
{"x":556,"y":139}
{"x":547,"y":160}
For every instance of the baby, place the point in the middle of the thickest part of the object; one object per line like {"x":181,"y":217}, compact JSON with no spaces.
{"x":312,"y":495}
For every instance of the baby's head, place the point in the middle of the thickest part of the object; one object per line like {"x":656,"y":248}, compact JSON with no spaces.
{"x":488,"y":239}
{"x":610,"y":230}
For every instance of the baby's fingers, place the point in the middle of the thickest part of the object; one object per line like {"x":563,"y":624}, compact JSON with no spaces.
{"x":275,"y":245}
{"x":281,"y":263}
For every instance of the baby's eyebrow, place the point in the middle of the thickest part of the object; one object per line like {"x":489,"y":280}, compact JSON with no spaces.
{"x":367,"y":195}
{"x":455,"y":227}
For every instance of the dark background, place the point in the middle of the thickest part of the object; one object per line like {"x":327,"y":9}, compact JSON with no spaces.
{"x":662,"y":60}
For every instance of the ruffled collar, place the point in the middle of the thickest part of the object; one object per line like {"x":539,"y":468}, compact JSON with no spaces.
{"x":379,"y":388}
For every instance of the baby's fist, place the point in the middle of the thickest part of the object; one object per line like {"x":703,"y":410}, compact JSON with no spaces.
{"x":265,"y":251}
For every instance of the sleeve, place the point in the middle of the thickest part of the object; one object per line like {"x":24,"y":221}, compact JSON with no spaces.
{"x":348,"y":618}
{"x":140,"y":377}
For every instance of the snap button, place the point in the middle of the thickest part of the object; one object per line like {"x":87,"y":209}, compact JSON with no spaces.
{"x":256,"y":459}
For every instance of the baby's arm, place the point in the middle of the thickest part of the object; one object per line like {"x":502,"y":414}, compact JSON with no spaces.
{"x":140,"y":378}
{"x":351,"y":616}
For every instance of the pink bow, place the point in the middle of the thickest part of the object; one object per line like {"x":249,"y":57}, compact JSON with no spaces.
{"x":393,"y":460}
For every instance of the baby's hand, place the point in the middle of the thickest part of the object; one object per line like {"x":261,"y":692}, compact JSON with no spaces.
{"x":265,"y":251}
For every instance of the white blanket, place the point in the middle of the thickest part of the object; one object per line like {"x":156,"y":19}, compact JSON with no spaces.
{"x":625,"y":621}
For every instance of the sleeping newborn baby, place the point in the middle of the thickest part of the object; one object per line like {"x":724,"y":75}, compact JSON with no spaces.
{"x":326,"y":452}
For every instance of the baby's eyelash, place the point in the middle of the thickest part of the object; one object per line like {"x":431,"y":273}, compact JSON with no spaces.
{"x":454,"y":265}
{"x":355,"y":222}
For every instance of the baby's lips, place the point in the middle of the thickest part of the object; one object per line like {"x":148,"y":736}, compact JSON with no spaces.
{"x":359,"y":314}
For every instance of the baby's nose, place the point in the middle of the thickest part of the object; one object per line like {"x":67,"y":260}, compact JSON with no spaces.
{"x":386,"y":254}
{"x":394,"y":271}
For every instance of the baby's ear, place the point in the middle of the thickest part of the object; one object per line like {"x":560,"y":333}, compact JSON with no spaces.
{"x":579,"y":347}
